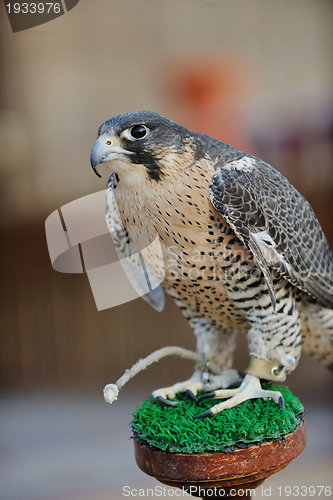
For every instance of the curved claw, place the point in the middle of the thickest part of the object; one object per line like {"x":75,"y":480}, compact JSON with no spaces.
{"x":206,"y":396}
{"x":205,"y":414}
{"x":167,"y":402}
{"x":250,"y":388}
{"x":192,"y":395}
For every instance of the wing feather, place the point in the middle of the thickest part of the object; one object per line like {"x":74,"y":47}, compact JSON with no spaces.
{"x":276,"y":223}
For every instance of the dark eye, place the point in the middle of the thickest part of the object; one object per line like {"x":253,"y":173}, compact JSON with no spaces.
{"x":138,"y":131}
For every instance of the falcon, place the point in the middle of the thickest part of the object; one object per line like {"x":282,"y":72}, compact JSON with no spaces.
{"x":241,"y":251}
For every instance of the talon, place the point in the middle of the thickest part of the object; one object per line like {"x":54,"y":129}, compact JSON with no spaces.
{"x":167,"y":402}
{"x":206,"y":396}
{"x":205,"y":414}
{"x":250,"y":388}
{"x":281,"y":402}
{"x":192,"y":395}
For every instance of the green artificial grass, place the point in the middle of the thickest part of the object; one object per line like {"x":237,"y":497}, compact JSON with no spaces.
{"x":176,"y":430}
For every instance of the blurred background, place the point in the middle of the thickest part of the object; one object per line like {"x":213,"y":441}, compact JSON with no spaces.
{"x":253,"y":73}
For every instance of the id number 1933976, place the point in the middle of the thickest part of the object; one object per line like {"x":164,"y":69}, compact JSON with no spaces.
{"x":304,"y":491}
{"x":33,"y":8}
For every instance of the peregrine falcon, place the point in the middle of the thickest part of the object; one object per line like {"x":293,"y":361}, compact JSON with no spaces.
{"x":242,"y":250}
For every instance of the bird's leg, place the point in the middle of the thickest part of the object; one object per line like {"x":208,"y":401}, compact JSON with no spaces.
{"x":274,"y":335}
{"x":216,"y":348}
{"x":251,"y":388}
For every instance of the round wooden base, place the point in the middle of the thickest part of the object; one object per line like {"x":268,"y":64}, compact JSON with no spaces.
{"x":221,"y":475}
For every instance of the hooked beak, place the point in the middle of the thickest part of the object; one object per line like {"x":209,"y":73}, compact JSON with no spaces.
{"x":100,"y":153}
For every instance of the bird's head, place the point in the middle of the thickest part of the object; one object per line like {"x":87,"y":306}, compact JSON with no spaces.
{"x":144,"y":144}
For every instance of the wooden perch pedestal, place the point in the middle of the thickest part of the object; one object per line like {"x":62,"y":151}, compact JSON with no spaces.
{"x":224,"y":475}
